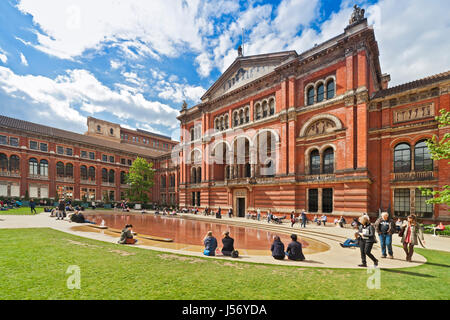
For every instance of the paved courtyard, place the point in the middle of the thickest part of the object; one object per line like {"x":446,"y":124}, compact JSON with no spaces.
{"x":335,"y":257}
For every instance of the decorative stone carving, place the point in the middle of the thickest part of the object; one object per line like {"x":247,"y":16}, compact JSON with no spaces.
{"x":320,"y":127}
{"x":414,"y":113}
{"x":357,"y":15}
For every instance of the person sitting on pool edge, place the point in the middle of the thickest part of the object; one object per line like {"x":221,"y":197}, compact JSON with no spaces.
{"x":126,"y":237}
{"x":210,"y":244}
{"x":351,"y":242}
{"x":228,"y":244}
{"x":277,"y":248}
{"x":294,"y":250}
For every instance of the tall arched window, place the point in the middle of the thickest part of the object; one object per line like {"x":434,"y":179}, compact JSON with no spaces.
{"x":422,"y":157}
{"x":328,"y":161}
{"x":226,"y":121}
{"x":83,"y":173}
{"x":193,"y":175}
{"x":3,"y":162}
{"x":199,"y":175}
{"x":33,"y":164}
{"x":91,"y":173}
{"x":258,"y":111}
{"x":43,"y":168}
{"x":272,"y":107}
{"x":123,"y":177}
{"x":69,"y":170}
{"x":104,"y":175}
{"x":111,"y":176}
{"x":247,"y":115}
{"x":163,"y":181}
{"x":310,"y":96}
{"x":236,"y":119}
{"x":265,"y":110}
{"x":320,"y":92}
{"x":241,"y":117}
{"x":14,"y":163}
{"x":60,"y":169}
{"x":314,"y":160}
{"x":330,"y":89}
{"x":402,"y":158}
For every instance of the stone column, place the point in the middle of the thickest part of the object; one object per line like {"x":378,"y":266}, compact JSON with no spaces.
{"x":319,"y":201}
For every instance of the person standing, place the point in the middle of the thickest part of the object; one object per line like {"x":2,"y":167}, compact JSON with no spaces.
{"x":292,"y":219}
{"x":385,"y":227}
{"x":304,"y":219}
{"x":411,"y":235}
{"x":33,"y":206}
{"x":269,"y":216}
{"x":277,"y":248}
{"x":324,"y":220}
{"x":258,"y":214}
{"x":61,"y":210}
{"x":294,"y":250}
{"x":230,"y":213}
{"x":367,"y":233}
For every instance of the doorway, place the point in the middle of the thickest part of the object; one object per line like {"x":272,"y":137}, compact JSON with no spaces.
{"x":241,"y":207}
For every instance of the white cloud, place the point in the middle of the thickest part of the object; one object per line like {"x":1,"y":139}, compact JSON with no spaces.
{"x":3,"y":56}
{"x":178,"y":92}
{"x":23,"y":59}
{"x":412,"y":37}
{"x":115,"y":64}
{"x":59,"y":97}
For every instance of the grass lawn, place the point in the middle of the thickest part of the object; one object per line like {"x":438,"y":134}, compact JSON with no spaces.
{"x":33,"y":265}
{"x":24,"y":211}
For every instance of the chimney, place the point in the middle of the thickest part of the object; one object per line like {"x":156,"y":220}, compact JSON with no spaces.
{"x":385,"y":78}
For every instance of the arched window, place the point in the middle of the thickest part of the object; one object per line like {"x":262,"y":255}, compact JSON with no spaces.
{"x":227,"y":172}
{"x":199,"y":175}
{"x":330,"y":89}
{"x":265,"y":110}
{"x":60,"y":169}
{"x":422,"y":157}
{"x":258,"y":111}
{"x":192,"y":134}
{"x":310,"y":96}
{"x":91,"y":173}
{"x":69,"y":170}
{"x":43,"y":168}
{"x":217,"y":124}
{"x":14,"y":163}
{"x":402,"y":158}
{"x":33,"y":164}
{"x":241,"y":117}
{"x":247,"y":115}
{"x":236,"y":119}
{"x":193,"y":175}
{"x":314,"y":160}
{"x":83,"y":173}
{"x":111,"y":176}
{"x":3,"y":162}
{"x":104,"y":175}
{"x":272,"y":107}
{"x":320,"y":92}
{"x":328,"y":161}
{"x":123,"y":177}
{"x":247,"y":170}
{"x":226,"y":121}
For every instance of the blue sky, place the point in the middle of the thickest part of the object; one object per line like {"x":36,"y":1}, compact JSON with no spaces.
{"x":133,"y":62}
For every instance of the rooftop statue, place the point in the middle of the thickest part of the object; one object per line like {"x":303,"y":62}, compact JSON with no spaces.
{"x":357,"y":15}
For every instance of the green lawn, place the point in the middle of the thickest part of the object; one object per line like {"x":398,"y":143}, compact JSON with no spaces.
{"x":33,"y":265}
{"x":21,"y":211}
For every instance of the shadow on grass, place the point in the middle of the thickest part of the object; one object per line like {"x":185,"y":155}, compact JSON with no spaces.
{"x":409,"y":273}
{"x":438,"y":264}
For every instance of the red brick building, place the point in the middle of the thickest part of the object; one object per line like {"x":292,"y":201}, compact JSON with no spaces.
{"x":49,"y":163}
{"x":319,"y":131}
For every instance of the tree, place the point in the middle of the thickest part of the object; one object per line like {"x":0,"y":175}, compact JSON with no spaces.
{"x":140,"y":180}
{"x":440,"y":150}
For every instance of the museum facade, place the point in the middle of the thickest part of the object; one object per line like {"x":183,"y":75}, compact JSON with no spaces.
{"x":319,"y":131}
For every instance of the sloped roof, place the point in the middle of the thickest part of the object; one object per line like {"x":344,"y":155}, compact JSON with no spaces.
{"x":12,"y":123}
{"x":412,"y":85}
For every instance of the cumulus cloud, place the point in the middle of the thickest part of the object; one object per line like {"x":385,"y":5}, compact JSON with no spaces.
{"x":79,"y":89}
{"x":3,"y":56}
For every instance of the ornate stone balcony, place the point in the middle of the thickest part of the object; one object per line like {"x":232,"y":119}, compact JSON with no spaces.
{"x":320,"y":177}
{"x":90,"y":182}
{"x":414,"y":176}
{"x":9,"y":174}
{"x":108,"y":184}
{"x":37,"y":177}
{"x":65,"y":179}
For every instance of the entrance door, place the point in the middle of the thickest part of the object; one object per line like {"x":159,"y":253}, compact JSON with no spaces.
{"x":241,"y":207}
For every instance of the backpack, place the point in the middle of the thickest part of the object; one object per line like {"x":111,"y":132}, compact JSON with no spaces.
{"x":234,"y":254}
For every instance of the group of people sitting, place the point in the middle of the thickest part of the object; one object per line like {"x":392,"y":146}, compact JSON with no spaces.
{"x":166,"y":212}
{"x":294,"y":250}
{"x":10,"y":204}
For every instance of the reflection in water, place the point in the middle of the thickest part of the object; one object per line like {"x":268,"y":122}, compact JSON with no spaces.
{"x":192,"y":231}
